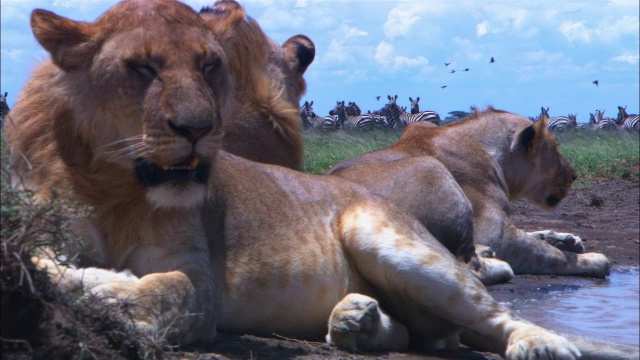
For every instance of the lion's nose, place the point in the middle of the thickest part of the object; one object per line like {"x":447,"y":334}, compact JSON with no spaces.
{"x":191,"y":133}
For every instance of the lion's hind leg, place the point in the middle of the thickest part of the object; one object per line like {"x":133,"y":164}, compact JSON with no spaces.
{"x":358,"y":323}
{"x":420,"y":280}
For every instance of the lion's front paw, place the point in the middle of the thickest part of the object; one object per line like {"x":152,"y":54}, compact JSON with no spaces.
{"x":532,"y":342}
{"x":357,"y":324}
{"x":593,"y":264}
{"x":563,"y":241}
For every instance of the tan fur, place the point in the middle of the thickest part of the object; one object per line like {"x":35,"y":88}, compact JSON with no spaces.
{"x":270,"y":83}
{"x":458,"y":180}
{"x":244,"y":247}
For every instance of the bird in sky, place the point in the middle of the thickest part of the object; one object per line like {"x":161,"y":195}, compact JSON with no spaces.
{"x":443,"y":86}
{"x":447,"y":64}
{"x":492,"y":60}
{"x":452,"y":71}
{"x":378,"y":98}
{"x":466,"y":69}
{"x":596,"y":82}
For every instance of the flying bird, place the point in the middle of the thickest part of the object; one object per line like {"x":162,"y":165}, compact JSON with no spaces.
{"x":452,"y":71}
{"x":378,"y":98}
{"x":443,"y":86}
{"x":467,"y":69}
{"x":492,"y":60}
{"x":447,"y":64}
{"x":595,"y":82}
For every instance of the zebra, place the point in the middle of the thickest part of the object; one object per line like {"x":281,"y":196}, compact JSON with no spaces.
{"x":4,"y":107}
{"x":361,"y":122}
{"x":330,"y":123}
{"x":558,"y":124}
{"x":353,"y":109}
{"x":415,"y":108}
{"x":606,"y":123}
{"x":307,"y":115}
{"x":397,"y":116}
{"x":626,"y":121}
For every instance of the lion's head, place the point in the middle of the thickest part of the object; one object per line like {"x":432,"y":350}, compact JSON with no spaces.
{"x":133,"y":101}
{"x":269,"y":84}
{"x":550,"y":175}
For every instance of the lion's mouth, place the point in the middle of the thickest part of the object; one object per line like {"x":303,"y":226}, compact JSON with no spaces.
{"x":190,"y":169}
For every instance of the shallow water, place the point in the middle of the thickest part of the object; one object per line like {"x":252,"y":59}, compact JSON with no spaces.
{"x":606,"y":310}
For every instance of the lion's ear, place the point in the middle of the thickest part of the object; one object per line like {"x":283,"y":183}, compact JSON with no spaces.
{"x":301,"y":50}
{"x":69,"y":42}
{"x":223,"y":17}
{"x":531,"y":135}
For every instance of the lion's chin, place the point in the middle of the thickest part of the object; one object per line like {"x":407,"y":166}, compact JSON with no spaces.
{"x":181,"y":185}
{"x":183,"y":196}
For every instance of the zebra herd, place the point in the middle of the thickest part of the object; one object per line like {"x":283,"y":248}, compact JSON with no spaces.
{"x":349,"y":116}
{"x":597,"y":121}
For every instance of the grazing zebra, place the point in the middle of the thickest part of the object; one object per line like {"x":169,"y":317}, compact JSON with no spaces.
{"x":626,"y":121}
{"x":330,"y":123}
{"x":353,"y":109}
{"x":307,"y":115}
{"x":361,"y":122}
{"x":4,"y":107}
{"x":606,"y":123}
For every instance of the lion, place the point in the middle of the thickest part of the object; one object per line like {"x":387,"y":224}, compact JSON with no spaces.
{"x":127,"y":117}
{"x":266,"y":124}
{"x":459,"y":179}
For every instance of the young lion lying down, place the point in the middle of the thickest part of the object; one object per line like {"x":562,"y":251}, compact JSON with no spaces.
{"x":127,"y":115}
{"x":458,"y":180}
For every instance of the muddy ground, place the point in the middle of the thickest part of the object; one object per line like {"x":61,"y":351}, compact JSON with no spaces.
{"x":606,"y":214}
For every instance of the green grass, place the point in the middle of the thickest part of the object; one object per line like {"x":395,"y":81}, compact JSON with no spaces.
{"x":325,"y":149}
{"x":600,"y":155}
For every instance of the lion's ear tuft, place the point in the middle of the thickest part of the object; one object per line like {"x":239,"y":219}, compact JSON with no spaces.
{"x":301,"y":50}
{"x":69,"y":42}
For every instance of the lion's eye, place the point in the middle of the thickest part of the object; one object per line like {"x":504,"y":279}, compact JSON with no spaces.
{"x":211,"y":66}
{"x":146,"y":70}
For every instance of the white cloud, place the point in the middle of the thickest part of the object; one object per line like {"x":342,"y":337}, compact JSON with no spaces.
{"x":632,"y":59}
{"x":13,"y":54}
{"x":385,"y":56}
{"x":399,"y":22}
{"x":604,"y":31}
{"x":482,"y":28}
{"x":575,"y":31}
{"x":339,"y":50}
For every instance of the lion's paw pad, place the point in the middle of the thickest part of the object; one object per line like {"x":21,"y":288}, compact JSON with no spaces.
{"x":354,"y":322}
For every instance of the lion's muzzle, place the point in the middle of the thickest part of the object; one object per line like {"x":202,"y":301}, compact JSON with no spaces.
{"x":191,"y":169}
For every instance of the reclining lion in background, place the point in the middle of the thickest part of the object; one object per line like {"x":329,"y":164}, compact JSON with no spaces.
{"x":458,"y":180}
{"x":128,"y":113}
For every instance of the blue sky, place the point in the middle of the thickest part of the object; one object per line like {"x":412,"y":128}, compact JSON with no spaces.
{"x":547,"y":53}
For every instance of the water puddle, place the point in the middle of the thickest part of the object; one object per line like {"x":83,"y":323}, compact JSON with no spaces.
{"x":606,"y":310}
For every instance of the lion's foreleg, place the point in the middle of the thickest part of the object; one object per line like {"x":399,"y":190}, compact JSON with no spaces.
{"x":167,"y":305}
{"x":529,"y":254}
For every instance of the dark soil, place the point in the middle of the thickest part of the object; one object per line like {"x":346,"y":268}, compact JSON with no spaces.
{"x":606,"y":214}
